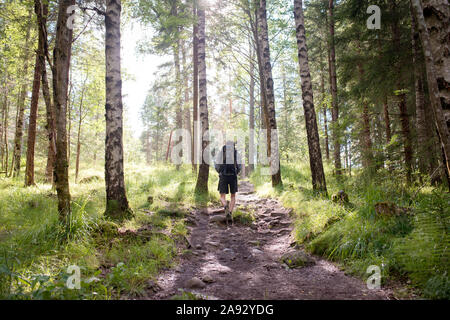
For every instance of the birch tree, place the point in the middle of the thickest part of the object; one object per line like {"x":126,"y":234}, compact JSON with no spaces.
{"x":315,"y":155}
{"x":116,"y":199}
{"x":203,"y":172}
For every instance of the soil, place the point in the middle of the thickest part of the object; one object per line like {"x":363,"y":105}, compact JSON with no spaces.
{"x":243,"y":261}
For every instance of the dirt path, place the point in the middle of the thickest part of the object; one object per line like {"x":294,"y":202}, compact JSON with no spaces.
{"x":243,"y":262}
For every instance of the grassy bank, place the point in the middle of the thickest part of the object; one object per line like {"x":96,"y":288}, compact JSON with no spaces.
{"x":413,"y":247}
{"x":115,"y":259}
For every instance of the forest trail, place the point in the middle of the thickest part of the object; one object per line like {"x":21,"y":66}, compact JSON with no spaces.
{"x":244,"y":261}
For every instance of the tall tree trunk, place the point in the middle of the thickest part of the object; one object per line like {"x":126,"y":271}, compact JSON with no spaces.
{"x":407,"y":139}
{"x":433,"y":88}
{"x":325,"y":120}
{"x":186,"y":109}
{"x":80,"y":120}
{"x":437,"y":18}
{"x":4,"y":135}
{"x":404,"y":118}
{"x":70,"y":103}
{"x":116,"y":199}
{"x":2,"y":146}
{"x":315,"y":154}
{"x":29,"y":171}
{"x":421,"y":124}
{"x":50,"y":111}
{"x":178,"y":89}
{"x":39,"y":65}
{"x":148,"y":152}
{"x":387,"y":120}
{"x":195,"y":120}
{"x":368,"y":153}
{"x":264,"y":116}
{"x":387,"y":124}
{"x":61,"y":67}
{"x":367,"y":140}
{"x":333,"y":86}
{"x":21,"y":103}
{"x":269,"y":94}
{"x":51,"y":129}
{"x":203,"y":173}
{"x":251,"y":118}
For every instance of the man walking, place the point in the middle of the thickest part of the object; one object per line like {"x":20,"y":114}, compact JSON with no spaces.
{"x":228,"y":164}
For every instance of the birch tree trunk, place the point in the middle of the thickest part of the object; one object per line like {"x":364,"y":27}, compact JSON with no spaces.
{"x":116,"y":200}
{"x":251,"y":118}
{"x":264,"y":118}
{"x":203,"y":173}
{"x":325,"y":120}
{"x":433,"y":88}
{"x":269,"y":94}
{"x":61,"y":66}
{"x":17,"y":153}
{"x":334,"y":96}
{"x":186,"y":107}
{"x":195,"y":140}
{"x":315,"y":154}
{"x":178,"y":98}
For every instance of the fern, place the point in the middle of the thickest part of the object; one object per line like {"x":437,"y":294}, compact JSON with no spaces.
{"x":424,"y":254}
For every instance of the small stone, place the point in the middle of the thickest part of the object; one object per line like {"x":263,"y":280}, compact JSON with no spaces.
{"x":256,"y":251}
{"x":198,"y":246}
{"x":153,"y":286}
{"x":278,"y":214}
{"x":218,"y":219}
{"x":297,"y":259}
{"x":195,"y":283}
{"x":341,"y":197}
{"x":208,"y":279}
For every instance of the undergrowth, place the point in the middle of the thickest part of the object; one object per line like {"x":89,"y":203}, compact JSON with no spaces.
{"x":411,"y":246}
{"x":115,"y":259}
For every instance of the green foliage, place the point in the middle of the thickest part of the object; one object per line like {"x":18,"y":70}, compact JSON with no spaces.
{"x":413,"y":246}
{"x":424,"y":254}
{"x":243,"y":217}
{"x":36,"y":249}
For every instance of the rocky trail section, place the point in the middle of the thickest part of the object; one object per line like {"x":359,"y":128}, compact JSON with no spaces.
{"x":254,"y":261}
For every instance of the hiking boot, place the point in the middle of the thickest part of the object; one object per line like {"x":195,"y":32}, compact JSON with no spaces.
{"x":228,"y":215}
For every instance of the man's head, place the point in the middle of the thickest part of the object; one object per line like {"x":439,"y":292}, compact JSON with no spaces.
{"x":230,"y":148}
{"x":229,"y":143}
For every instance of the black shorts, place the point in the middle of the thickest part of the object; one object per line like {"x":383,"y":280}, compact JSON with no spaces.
{"x":228,"y":181}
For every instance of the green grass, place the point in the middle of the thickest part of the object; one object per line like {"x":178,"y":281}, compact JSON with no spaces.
{"x":413,"y":247}
{"x":36,"y":250}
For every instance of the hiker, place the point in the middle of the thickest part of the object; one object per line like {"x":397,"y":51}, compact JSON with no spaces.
{"x":228,"y":164}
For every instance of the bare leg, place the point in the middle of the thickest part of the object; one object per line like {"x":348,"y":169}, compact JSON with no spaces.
{"x":233,"y":201}
{"x":223,"y":199}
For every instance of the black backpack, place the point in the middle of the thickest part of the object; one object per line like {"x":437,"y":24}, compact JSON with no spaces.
{"x":229,"y":169}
